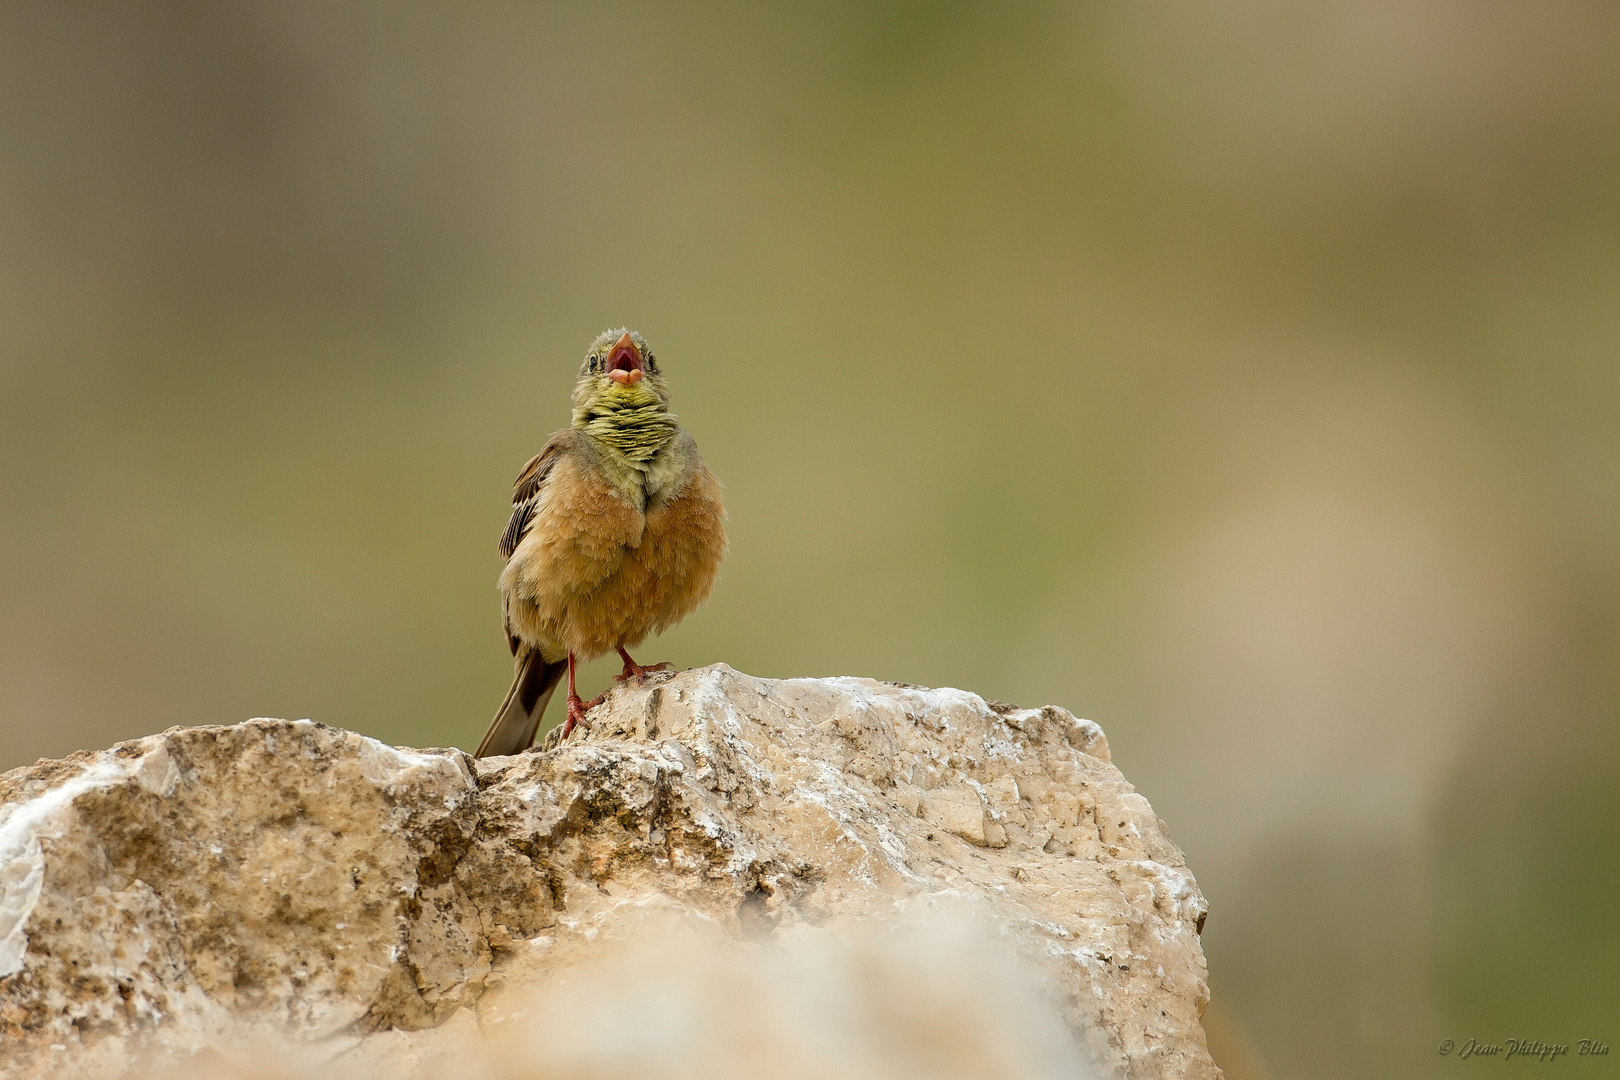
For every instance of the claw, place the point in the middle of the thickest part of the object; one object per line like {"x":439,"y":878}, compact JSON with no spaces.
{"x":633,"y":670}
{"x":636,"y":671}
{"x":577,"y":710}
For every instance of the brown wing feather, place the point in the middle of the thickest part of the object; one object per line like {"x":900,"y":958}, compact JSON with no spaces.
{"x":526,"y":491}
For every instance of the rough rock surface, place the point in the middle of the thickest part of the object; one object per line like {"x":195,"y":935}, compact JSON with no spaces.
{"x":209,"y":887}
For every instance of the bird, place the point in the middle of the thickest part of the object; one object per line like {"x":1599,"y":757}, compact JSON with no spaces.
{"x":617,"y":532}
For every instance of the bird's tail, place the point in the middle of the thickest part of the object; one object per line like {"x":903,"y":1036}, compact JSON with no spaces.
{"x":516,"y":721}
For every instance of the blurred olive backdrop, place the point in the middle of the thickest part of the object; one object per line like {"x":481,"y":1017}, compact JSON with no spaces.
{"x":1243,"y":376}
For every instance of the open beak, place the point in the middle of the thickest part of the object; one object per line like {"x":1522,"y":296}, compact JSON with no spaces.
{"x":624,"y":364}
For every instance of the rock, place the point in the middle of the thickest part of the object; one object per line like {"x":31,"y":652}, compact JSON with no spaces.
{"x":221,"y":887}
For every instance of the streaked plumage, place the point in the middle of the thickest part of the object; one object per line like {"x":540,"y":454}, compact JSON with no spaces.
{"x":617,"y":532}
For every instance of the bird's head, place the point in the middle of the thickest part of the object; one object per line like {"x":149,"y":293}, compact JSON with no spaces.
{"x":619,"y":372}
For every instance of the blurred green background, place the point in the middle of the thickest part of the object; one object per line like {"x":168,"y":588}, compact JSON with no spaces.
{"x":1242,"y":376}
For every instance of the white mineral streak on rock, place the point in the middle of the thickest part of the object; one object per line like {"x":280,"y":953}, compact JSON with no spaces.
{"x":24,"y":824}
{"x":377,"y":908}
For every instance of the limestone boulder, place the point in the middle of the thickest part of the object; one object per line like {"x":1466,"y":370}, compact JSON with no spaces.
{"x":215,"y":890}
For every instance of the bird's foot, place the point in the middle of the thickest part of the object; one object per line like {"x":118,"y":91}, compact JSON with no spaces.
{"x":577,"y":710}
{"x":633,"y":670}
{"x":636,"y":671}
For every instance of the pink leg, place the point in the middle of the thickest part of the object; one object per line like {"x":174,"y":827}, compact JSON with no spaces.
{"x":577,"y":708}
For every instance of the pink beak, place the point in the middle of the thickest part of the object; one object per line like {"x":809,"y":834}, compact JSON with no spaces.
{"x":624,"y":364}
